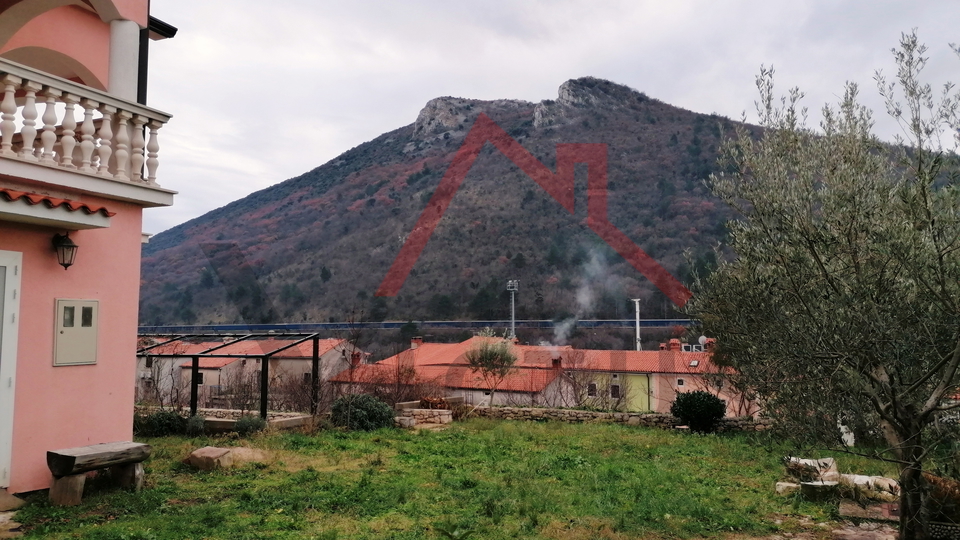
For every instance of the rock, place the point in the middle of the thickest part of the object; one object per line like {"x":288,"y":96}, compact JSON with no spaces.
{"x":209,"y":458}
{"x":8,"y":527}
{"x":787,"y":488}
{"x":405,"y":421}
{"x":812,"y":470}
{"x":9,"y":502}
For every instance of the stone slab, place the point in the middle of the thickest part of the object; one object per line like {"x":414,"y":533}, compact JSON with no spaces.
{"x":209,"y":458}
{"x":9,"y":502}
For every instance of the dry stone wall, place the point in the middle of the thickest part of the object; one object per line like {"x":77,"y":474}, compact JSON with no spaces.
{"x":657,"y":420}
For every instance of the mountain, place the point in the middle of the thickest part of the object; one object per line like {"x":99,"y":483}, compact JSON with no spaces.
{"x":316,"y":247}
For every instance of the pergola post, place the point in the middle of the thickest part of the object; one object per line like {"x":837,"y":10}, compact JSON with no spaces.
{"x":194,"y":376}
{"x":264,"y":384}
{"x":315,"y":377}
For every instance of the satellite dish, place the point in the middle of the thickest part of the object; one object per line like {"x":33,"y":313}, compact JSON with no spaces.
{"x":703,"y":340}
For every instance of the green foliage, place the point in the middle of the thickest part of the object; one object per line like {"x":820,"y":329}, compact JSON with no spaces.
{"x":842,"y":303}
{"x":493,"y":358}
{"x":248,"y":425}
{"x":408,"y":331}
{"x":196,"y":425}
{"x":161,"y":424}
{"x":699,"y":410}
{"x":501,"y":480}
{"x":361,"y":412}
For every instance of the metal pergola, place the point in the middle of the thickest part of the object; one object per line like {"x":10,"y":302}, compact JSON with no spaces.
{"x":168,"y":339}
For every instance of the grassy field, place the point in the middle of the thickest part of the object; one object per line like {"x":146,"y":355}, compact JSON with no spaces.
{"x":483,"y":480}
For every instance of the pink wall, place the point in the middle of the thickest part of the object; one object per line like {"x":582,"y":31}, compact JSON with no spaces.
{"x":67,"y":41}
{"x":62,"y":407}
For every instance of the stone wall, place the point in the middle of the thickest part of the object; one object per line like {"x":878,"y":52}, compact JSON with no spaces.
{"x":663,"y":421}
{"x":428,"y":416}
{"x":231,"y":414}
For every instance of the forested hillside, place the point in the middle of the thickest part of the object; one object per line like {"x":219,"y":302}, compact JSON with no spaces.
{"x":316,"y":247}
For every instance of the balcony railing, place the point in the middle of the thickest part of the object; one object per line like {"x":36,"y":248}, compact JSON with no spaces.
{"x":107,"y":140}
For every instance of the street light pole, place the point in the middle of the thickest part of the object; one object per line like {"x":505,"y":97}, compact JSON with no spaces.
{"x":513,"y":285}
{"x":636,"y":303}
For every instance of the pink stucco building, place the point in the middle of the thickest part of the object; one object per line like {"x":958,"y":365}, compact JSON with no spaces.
{"x":79,"y":153}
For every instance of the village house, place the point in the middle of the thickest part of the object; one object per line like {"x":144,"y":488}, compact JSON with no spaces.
{"x":79,"y":153}
{"x":551,"y":376}
{"x":435,"y":369}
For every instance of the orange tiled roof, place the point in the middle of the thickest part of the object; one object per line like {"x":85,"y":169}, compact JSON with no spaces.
{"x":250,"y":347}
{"x":535,"y":369}
{"x":53,"y":202}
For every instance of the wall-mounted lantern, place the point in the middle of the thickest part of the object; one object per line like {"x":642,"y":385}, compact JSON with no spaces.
{"x":66,"y":249}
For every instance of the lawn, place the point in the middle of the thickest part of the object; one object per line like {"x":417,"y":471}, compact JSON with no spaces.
{"x":482,"y":479}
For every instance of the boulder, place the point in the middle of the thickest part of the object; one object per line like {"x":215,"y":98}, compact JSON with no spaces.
{"x":209,"y":458}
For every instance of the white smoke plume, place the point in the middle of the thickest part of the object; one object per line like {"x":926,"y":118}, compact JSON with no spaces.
{"x":595,"y":278}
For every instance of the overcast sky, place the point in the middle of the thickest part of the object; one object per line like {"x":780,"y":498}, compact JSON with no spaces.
{"x":265,"y":91}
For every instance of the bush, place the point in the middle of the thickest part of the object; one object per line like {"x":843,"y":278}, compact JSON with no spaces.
{"x":361,"y":412}
{"x":700,"y":410}
{"x":196,"y":425}
{"x":247,"y":425}
{"x":161,"y":424}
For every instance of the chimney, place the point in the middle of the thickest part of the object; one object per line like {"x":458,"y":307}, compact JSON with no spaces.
{"x":674,"y":345}
{"x":416,"y":342}
{"x":557,"y":362}
{"x":710,"y":344}
{"x":355,"y":358}
{"x":663,"y":346}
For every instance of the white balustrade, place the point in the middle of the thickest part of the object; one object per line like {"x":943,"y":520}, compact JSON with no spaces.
{"x":108,"y":141}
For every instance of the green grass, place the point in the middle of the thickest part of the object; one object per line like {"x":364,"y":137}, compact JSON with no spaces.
{"x":481,"y":480}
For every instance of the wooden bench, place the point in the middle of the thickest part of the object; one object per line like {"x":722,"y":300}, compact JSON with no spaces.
{"x":69,"y":467}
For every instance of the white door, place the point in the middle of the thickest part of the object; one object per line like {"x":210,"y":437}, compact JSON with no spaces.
{"x":10,"y":269}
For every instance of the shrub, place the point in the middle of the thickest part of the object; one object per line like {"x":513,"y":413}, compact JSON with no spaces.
{"x":161,"y":424}
{"x":247,"y":425}
{"x":361,"y":412}
{"x":196,"y":425}
{"x":698,"y":409}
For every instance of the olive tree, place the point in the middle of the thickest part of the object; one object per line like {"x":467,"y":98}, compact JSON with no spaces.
{"x":493,"y":359}
{"x":842,"y":303}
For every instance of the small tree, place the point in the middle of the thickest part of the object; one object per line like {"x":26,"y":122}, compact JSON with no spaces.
{"x":493,"y":358}
{"x":844,"y":299}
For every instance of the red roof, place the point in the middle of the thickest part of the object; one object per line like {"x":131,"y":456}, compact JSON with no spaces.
{"x":53,"y":202}
{"x":210,"y":363}
{"x":536,"y":365}
{"x":250,"y":347}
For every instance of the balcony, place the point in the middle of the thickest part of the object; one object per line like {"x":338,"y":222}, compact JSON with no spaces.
{"x":65,"y":134}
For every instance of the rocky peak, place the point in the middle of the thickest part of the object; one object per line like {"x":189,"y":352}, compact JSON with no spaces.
{"x":452,"y":115}
{"x":584,"y":93}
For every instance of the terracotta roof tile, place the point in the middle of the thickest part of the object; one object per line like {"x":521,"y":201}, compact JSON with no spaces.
{"x":53,"y":202}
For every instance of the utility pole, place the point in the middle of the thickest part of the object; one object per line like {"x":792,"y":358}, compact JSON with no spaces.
{"x":513,"y":286}
{"x":636,"y":303}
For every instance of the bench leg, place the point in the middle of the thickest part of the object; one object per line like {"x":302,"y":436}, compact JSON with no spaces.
{"x":67,"y":490}
{"x":129,"y":476}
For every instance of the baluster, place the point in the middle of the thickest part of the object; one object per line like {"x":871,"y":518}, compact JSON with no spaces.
{"x":8,"y":111}
{"x":49,"y":136}
{"x":29,"y":130}
{"x":123,"y":145}
{"x":68,"y":140}
{"x":153,"y":147}
{"x":86,"y":135}
{"x":136,"y":157}
{"x":106,"y":139}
